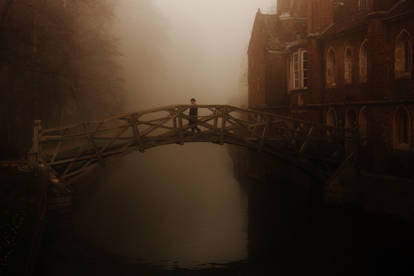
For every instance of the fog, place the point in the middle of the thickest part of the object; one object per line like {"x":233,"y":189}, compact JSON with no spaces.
{"x":176,"y":205}
{"x":177,"y":49}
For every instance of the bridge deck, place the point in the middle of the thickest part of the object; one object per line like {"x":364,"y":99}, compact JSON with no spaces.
{"x":73,"y":150}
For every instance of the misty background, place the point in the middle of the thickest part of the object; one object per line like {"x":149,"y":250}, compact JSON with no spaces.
{"x":176,"y":205}
{"x":173,"y":50}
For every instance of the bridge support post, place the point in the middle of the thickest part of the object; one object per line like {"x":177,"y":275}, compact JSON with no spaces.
{"x":135,"y":130}
{"x":264,"y":133}
{"x":223,"y":124}
{"x":180,"y":128}
{"x":34,"y":151}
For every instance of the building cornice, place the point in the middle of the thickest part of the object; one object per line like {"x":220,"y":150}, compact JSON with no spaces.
{"x":287,"y":17}
{"x":343,"y":104}
{"x":296,"y":43}
{"x":375,"y":14}
{"x":276,"y":52}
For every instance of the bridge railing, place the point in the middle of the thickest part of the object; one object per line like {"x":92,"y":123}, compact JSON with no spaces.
{"x":72,"y":150}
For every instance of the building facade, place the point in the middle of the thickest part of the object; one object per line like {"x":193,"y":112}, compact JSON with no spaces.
{"x":348,"y":64}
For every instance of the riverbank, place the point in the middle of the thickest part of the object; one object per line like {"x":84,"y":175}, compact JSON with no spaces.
{"x":293,"y":233}
{"x":22,"y":210}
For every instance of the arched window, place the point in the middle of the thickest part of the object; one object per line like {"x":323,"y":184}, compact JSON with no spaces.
{"x":363,"y":125}
{"x":348,"y":65}
{"x":331,"y":120}
{"x":351,"y":119}
{"x":350,"y":122}
{"x":330,"y":68}
{"x":363,"y":62}
{"x":402,"y":129}
{"x":403,"y":55}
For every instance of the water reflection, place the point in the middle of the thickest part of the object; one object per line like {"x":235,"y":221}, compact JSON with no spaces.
{"x":173,"y":206}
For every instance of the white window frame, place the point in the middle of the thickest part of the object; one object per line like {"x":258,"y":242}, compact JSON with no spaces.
{"x":295,"y":71}
{"x":299,"y":73}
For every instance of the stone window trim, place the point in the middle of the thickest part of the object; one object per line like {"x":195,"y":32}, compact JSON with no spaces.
{"x":401,"y":129}
{"x":330,"y":68}
{"x":348,"y":65}
{"x":403,"y":55}
{"x":299,"y":70}
{"x":363,"y":62}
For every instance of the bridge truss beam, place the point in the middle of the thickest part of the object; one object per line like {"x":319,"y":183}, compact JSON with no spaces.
{"x":73,"y":150}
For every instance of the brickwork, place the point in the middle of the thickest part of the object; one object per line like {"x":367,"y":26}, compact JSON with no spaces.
{"x":316,"y":26}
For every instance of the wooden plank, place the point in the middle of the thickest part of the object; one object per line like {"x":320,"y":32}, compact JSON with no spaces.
{"x":251,"y":133}
{"x":175,"y":122}
{"x":223,"y":124}
{"x":152,"y":128}
{"x":93,"y":144}
{"x":84,"y":135}
{"x":74,"y":160}
{"x":216,"y":116}
{"x":57,"y":149}
{"x":97,"y":151}
{"x":156,"y":125}
{"x":111,"y":142}
{"x":135,"y":130}
{"x":180,"y":128}
{"x":264,"y":133}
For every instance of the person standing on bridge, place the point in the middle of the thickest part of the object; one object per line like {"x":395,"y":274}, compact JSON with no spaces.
{"x":194,"y":116}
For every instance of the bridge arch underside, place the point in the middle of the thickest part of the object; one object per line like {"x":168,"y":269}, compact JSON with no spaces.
{"x":74,"y":150}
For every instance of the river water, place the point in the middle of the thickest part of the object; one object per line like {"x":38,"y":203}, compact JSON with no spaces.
{"x":179,"y":210}
{"x":171,"y":206}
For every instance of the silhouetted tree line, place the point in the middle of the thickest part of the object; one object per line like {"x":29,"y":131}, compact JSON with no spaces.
{"x":58,"y":63}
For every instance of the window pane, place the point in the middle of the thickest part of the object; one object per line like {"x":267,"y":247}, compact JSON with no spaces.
{"x":363,"y":63}
{"x":403,"y":52}
{"x":330,"y":68}
{"x":305,"y":68}
{"x":296,"y":70}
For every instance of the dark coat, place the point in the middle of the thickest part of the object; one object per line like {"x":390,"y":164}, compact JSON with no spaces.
{"x":193,"y":113}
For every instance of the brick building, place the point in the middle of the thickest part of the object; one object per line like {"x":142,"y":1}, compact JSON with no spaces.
{"x":344,"y":63}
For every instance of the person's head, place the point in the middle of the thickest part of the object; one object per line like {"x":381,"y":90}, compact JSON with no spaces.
{"x":193,"y":101}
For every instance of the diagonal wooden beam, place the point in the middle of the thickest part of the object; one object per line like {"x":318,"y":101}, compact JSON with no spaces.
{"x":94,"y":146}
{"x":58,"y":146}
{"x":223,"y":124}
{"x":180,"y":128}
{"x":152,"y":128}
{"x":135,"y":130}
{"x":253,"y":129}
{"x":114,"y":139}
{"x":264,"y":133}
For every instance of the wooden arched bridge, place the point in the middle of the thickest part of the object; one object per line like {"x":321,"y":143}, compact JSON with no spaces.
{"x":73,"y":150}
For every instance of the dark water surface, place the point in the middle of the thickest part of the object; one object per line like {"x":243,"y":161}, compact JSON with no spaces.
{"x":179,"y":211}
